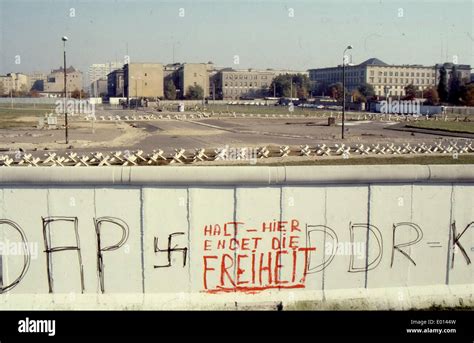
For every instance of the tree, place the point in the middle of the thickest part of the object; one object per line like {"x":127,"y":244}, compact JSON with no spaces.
{"x":290,"y":86}
{"x":364,"y":91}
{"x":467,"y":95}
{"x":195,"y":92}
{"x":431,"y":96}
{"x":78,"y":94}
{"x":23,"y":90}
{"x":336,"y":91}
{"x":170,"y":90}
{"x":357,"y":96}
{"x":281,"y":86}
{"x":34,"y":93}
{"x":455,"y":85}
{"x":443,"y":85}
{"x":321,"y":88}
{"x":410,"y":92}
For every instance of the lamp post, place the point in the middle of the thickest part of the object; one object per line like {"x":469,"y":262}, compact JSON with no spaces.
{"x":349,"y":47}
{"x":64,"y":39}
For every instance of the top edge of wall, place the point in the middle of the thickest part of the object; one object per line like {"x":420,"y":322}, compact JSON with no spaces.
{"x":247,"y":175}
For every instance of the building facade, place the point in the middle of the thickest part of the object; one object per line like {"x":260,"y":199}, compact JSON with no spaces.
{"x":193,"y":74}
{"x":237,"y":84}
{"x":98,"y":88}
{"x":54,"y":85}
{"x":36,"y":81}
{"x":248,"y":83}
{"x":14,"y":83}
{"x":115,"y":83}
{"x":99,"y":71}
{"x":387,"y":80}
{"x":143,"y":80}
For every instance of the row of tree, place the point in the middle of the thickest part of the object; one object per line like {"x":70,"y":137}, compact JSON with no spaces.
{"x":192,"y":93}
{"x":452,"y":89}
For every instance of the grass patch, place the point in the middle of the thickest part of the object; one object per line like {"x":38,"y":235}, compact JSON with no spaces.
{"x":451,"y":126}
{"x":9,"y":117}
{"x":13,"y":113}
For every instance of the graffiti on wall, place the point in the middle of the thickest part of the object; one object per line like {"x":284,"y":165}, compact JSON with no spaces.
{"x":246,"y":257}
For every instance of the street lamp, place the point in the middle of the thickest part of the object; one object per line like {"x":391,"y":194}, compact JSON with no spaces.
{"x":64,"y":39}
{"x":349,"y":47}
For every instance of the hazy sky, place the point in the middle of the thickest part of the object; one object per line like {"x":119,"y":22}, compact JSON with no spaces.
{"x":262,"y":33}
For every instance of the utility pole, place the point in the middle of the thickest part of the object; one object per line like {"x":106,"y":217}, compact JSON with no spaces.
{"x":344,"y":88}
{"x":64,"y":39}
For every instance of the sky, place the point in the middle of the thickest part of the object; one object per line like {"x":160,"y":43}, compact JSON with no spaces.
{"x":297,"y":35}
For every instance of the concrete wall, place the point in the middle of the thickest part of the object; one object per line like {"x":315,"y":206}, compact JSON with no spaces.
{"x":207,"y":237}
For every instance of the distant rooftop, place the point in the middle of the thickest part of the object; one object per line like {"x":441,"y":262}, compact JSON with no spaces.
{"x":374,"y":62}
{"x":61,"y":70}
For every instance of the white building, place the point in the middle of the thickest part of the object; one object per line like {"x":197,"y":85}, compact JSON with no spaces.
{"x":101,"y":70}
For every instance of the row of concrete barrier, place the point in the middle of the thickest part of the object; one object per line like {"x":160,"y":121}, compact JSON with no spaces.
{"x":147,"y":116}
{"x":227,"y":153}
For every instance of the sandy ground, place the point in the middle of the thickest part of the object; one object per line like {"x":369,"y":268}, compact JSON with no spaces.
{"x":209,"y":133}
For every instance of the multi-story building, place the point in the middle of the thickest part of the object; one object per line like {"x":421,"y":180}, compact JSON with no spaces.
{"x":193,"y":74}
{"x":36,"y":81}
{"x":143,"y":80}
{"x":98,"y":88}
{"x":14,"y":82}
{"x":249,"y":83}
{"x":101,"y":70}
{"x":287,"y":71}
{"x":115,"y":83}
{"x":387,"y":80}
{"x":54,"y":85}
